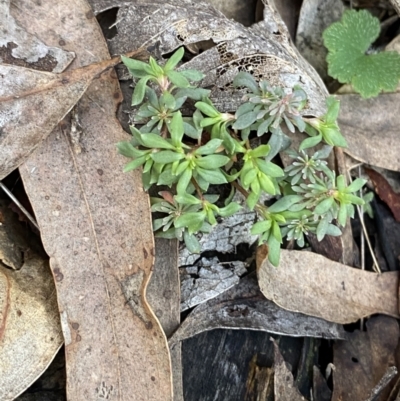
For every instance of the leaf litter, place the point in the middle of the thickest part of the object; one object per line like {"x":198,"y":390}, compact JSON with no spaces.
{"x":83,"y":147}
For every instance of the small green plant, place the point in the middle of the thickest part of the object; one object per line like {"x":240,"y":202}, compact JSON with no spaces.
{"x":191,"y":154}
{"x":350,"y":59}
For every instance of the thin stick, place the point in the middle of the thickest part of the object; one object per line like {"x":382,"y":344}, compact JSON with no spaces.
{"x":16,"y":201}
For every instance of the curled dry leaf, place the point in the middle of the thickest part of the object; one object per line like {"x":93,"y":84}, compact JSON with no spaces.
{"x":312,"y":284}
{"x":244,"y":307}
{"x":30,"y":332}
{"x":385,"y":192}
{"x":370,"y":127}
{"x":95,"y":224}
{"x":362,"y":360}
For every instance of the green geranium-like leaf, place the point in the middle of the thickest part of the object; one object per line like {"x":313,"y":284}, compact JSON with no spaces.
{"x":347,"y":42}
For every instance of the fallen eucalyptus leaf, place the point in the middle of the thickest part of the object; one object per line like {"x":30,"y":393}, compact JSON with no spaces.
{"x":96,"y":228}
{"x":363,"y":359}
{"x":370,"y":127}
{"x":243,"y":307}
{"x":30,"y":334}
{"x":312,"y":284}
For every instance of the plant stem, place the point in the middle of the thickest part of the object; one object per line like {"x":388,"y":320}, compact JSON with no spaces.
{"x":198,"y":189}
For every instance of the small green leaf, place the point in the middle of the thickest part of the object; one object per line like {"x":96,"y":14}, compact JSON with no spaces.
{"x":207,"y":109}
{"x":166,"y":156}
{"x":191,"y":131}
{"x":356,"y":185}
{"x":168,"y":100}
{"x":252,"y":200}
{"x":274,"y":250}
{"x":206,"y":122}
{"x":192,"y":75}
{"x":212,"y":162}
{"x":243,"y":109}
{"x":138,"y":66}
{"x":266,"y":184}
{"x":176,"y":128}
{"x":284,"y":203}
{"x":310,"y":142}
{"x":191,"y":242}
{"x":157,"y":70}
{"x":139,"y":91}
{"x":229,"y":210}
{"x":134,"y":164}
{"x":184,"y":181}
{"x":189,"y":219}
{"x":333,"y":110}
{"x":128,"y":150}
{"x":209,"y":148}
{"x":245,"y":120}
{"x":167,"y":178}
{"x":270,"y":168}
{"x":247,"y":80}
{"x":174,"y":59}
{"x":178,"y":79}
{"x":155,"y":141}
{"x":324,"y":206}
{"x":261,"y":227}
{"x":212,"y":176}
{"x":187,"y":199}
{"x":342,"y":215}
{"x":260,"y":151}
{"x":322,"y":228}
{"x":276,"y":231}
{"x":333,"y":230}
{"x":341,"y":182}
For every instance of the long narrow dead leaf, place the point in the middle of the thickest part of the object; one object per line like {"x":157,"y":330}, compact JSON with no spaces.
{"x":312,"y":284}
{"x":244,"y":307}
{"x":30,"y":332}
{"x":362,"y":360}
{"x":96,"y":226}
{"x":371,"y":128}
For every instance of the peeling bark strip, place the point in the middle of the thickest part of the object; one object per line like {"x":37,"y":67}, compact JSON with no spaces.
{"x":96,"y":226}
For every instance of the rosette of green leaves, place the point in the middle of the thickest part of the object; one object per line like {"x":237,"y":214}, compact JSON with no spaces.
{"x":268,"y":106}
{"x":329,"y":199}
{"x":324,"y":128}
{"x":258,"y":174}
{"x":157,"y":111}
{"x":163,"y":76}
{"x":305,"y":167}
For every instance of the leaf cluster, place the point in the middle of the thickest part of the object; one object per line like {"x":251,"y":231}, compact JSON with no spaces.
{"x":190,"y":154}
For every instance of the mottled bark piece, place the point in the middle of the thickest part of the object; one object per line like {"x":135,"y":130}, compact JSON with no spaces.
{"x":20,"y":47}
{"x":244,"y":307}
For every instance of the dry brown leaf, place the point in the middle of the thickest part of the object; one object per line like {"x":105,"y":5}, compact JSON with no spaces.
{"x":385,"y":192}
{"x":285,"y":389}
{"x":96,"y":226}
{"x":30,"y":332}
{"x":31,"y":105}
{"x":312,"y":284}
{"x":362,"y":360}
{"x":370,"y":127}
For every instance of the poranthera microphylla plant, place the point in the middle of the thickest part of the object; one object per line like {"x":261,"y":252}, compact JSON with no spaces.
{"x":189,"y":154}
